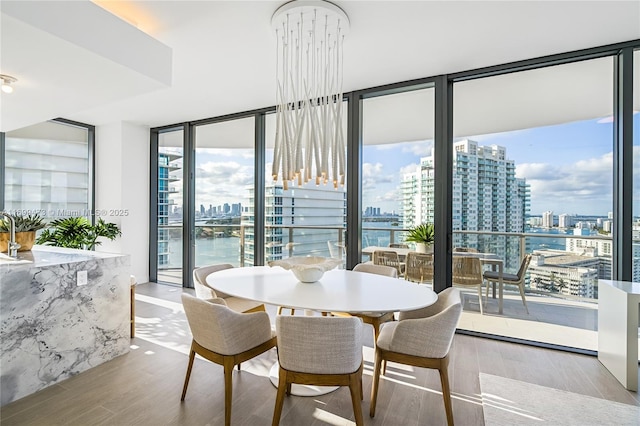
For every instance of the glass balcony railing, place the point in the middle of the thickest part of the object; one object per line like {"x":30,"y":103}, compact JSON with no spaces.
{"x":564,"y":265}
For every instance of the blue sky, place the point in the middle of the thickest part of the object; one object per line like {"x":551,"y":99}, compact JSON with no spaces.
{"x":568,"y":167}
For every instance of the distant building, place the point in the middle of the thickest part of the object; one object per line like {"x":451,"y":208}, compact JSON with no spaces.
{"x":556,"y":271}
{"x":565,"y":221}
{"x":299,"y":206}
{"x":535,"y":221}
{"x":487,"y":196}
{"x":547,"y":219}
{"x":169,"y":169}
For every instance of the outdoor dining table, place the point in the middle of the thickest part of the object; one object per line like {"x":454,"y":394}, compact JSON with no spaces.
{"x":338,"y":290}
{"x":494,"y":261}
{"x":490,"y":259}
{"x":402,"y":252}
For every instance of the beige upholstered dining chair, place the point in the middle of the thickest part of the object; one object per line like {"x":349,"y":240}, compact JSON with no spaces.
{"x":467,"y":272}
{"x":375,"y":319}
{"x":388,"y":258}
{"x":511,"y":279}
{"x":421,"y":338}
{"x":225,"y":337}
{"x":323,"y":351}
{"x":204,"y":291}
{"x":419,"y":267}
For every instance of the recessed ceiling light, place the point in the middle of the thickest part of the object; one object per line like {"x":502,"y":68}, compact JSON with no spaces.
{"x":7,"y":80}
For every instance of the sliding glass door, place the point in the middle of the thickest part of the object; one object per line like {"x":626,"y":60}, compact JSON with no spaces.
{"x":397,"y":165}
{"x":224,"y":177}
{"x":170,"y":212}
{"x":533,"y":174}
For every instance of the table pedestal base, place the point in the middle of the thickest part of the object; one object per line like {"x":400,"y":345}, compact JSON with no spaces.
{"x":300,"y":390}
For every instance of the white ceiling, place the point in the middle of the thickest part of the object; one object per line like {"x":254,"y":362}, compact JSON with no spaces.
{"x":223,"y":51}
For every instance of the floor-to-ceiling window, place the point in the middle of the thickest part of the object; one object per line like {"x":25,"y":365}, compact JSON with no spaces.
{"x":533,"y":173}
{"x":48,"y":170}
{"x":636,"y":166}
{"x":224,"y":192}
{"x":170,"y":212}
{"x":397,"y":165}
{"x":304,"y":218}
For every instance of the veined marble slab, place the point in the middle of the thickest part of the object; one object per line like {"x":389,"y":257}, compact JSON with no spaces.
{"x":51,"y":328}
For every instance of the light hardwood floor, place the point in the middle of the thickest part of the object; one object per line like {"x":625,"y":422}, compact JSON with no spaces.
{"x":144,"y":386}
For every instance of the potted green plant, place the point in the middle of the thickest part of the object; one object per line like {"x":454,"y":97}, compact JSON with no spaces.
{"x":423,"y":236}
{"x":26,"y":227}
{"x":77,"y":232}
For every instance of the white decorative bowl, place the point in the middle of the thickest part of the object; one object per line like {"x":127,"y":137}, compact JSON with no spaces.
{"x":307,"y":269}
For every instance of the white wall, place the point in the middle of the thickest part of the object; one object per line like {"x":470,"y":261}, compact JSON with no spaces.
{"x":122,"y":186}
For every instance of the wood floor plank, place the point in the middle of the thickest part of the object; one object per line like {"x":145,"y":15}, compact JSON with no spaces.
{"x":144,"y":386}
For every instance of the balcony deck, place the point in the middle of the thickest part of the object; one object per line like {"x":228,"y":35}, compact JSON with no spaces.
{"x":550,"y":320}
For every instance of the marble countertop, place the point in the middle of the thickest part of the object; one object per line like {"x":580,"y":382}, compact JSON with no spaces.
{"x":40,"y":256}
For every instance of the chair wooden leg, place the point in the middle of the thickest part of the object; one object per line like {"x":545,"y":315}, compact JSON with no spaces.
{"x":480,"y":299}
{"x":446,"y":391}
{"x":374,"y":384}
{"x":228,"y":390}
{"x":524,"y":301}
{"x":192,"y":356}
{"x":282,"y":388}
{"x":356,"y":389}
{"x":279,"y":310}
{"x":376,"y":333}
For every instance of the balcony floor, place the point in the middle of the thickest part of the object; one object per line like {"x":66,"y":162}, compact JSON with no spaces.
{"x":550,"y":320}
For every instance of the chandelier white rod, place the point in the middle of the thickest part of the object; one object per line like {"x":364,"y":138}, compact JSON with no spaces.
{"x":309,"y":91}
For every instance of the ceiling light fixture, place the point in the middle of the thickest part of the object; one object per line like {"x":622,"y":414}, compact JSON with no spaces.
{"x":7,"y":80}
{"x":309,"y":142}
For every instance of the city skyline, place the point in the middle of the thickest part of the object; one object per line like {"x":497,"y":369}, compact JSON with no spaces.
{"x":568,"y":168}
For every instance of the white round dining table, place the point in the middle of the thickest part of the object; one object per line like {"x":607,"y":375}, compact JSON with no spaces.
{"x":338,"y":290}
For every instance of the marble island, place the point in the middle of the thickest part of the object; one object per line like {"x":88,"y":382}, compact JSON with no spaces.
{"x":54,"y":322}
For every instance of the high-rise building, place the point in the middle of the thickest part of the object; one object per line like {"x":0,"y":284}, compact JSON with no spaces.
{"x":565,"y":221}
{"x":290,"y":216}
{"x":547,"y":219}
{"x":487,"y":196}
{"x":169,"y":164}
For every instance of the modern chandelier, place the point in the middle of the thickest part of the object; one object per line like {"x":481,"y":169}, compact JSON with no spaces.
{"x":309,"y":142}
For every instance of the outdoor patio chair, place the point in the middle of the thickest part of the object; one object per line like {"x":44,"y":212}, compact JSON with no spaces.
{"x":421,"y":338}
{"x":464,"y":250}
{"x":511,"y":279}
{"x":467,"y":272}
{"x":388,"y":258}
{"x":419,"y":267}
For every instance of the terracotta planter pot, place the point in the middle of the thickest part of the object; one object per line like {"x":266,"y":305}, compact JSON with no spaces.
{"x":25,"y":239}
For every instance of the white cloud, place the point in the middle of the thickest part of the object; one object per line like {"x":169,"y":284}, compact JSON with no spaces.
{"x":583,"y":186}
{"x":409,"y":168}
{"x":374,"y":174}
{"x":421,"y":149}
